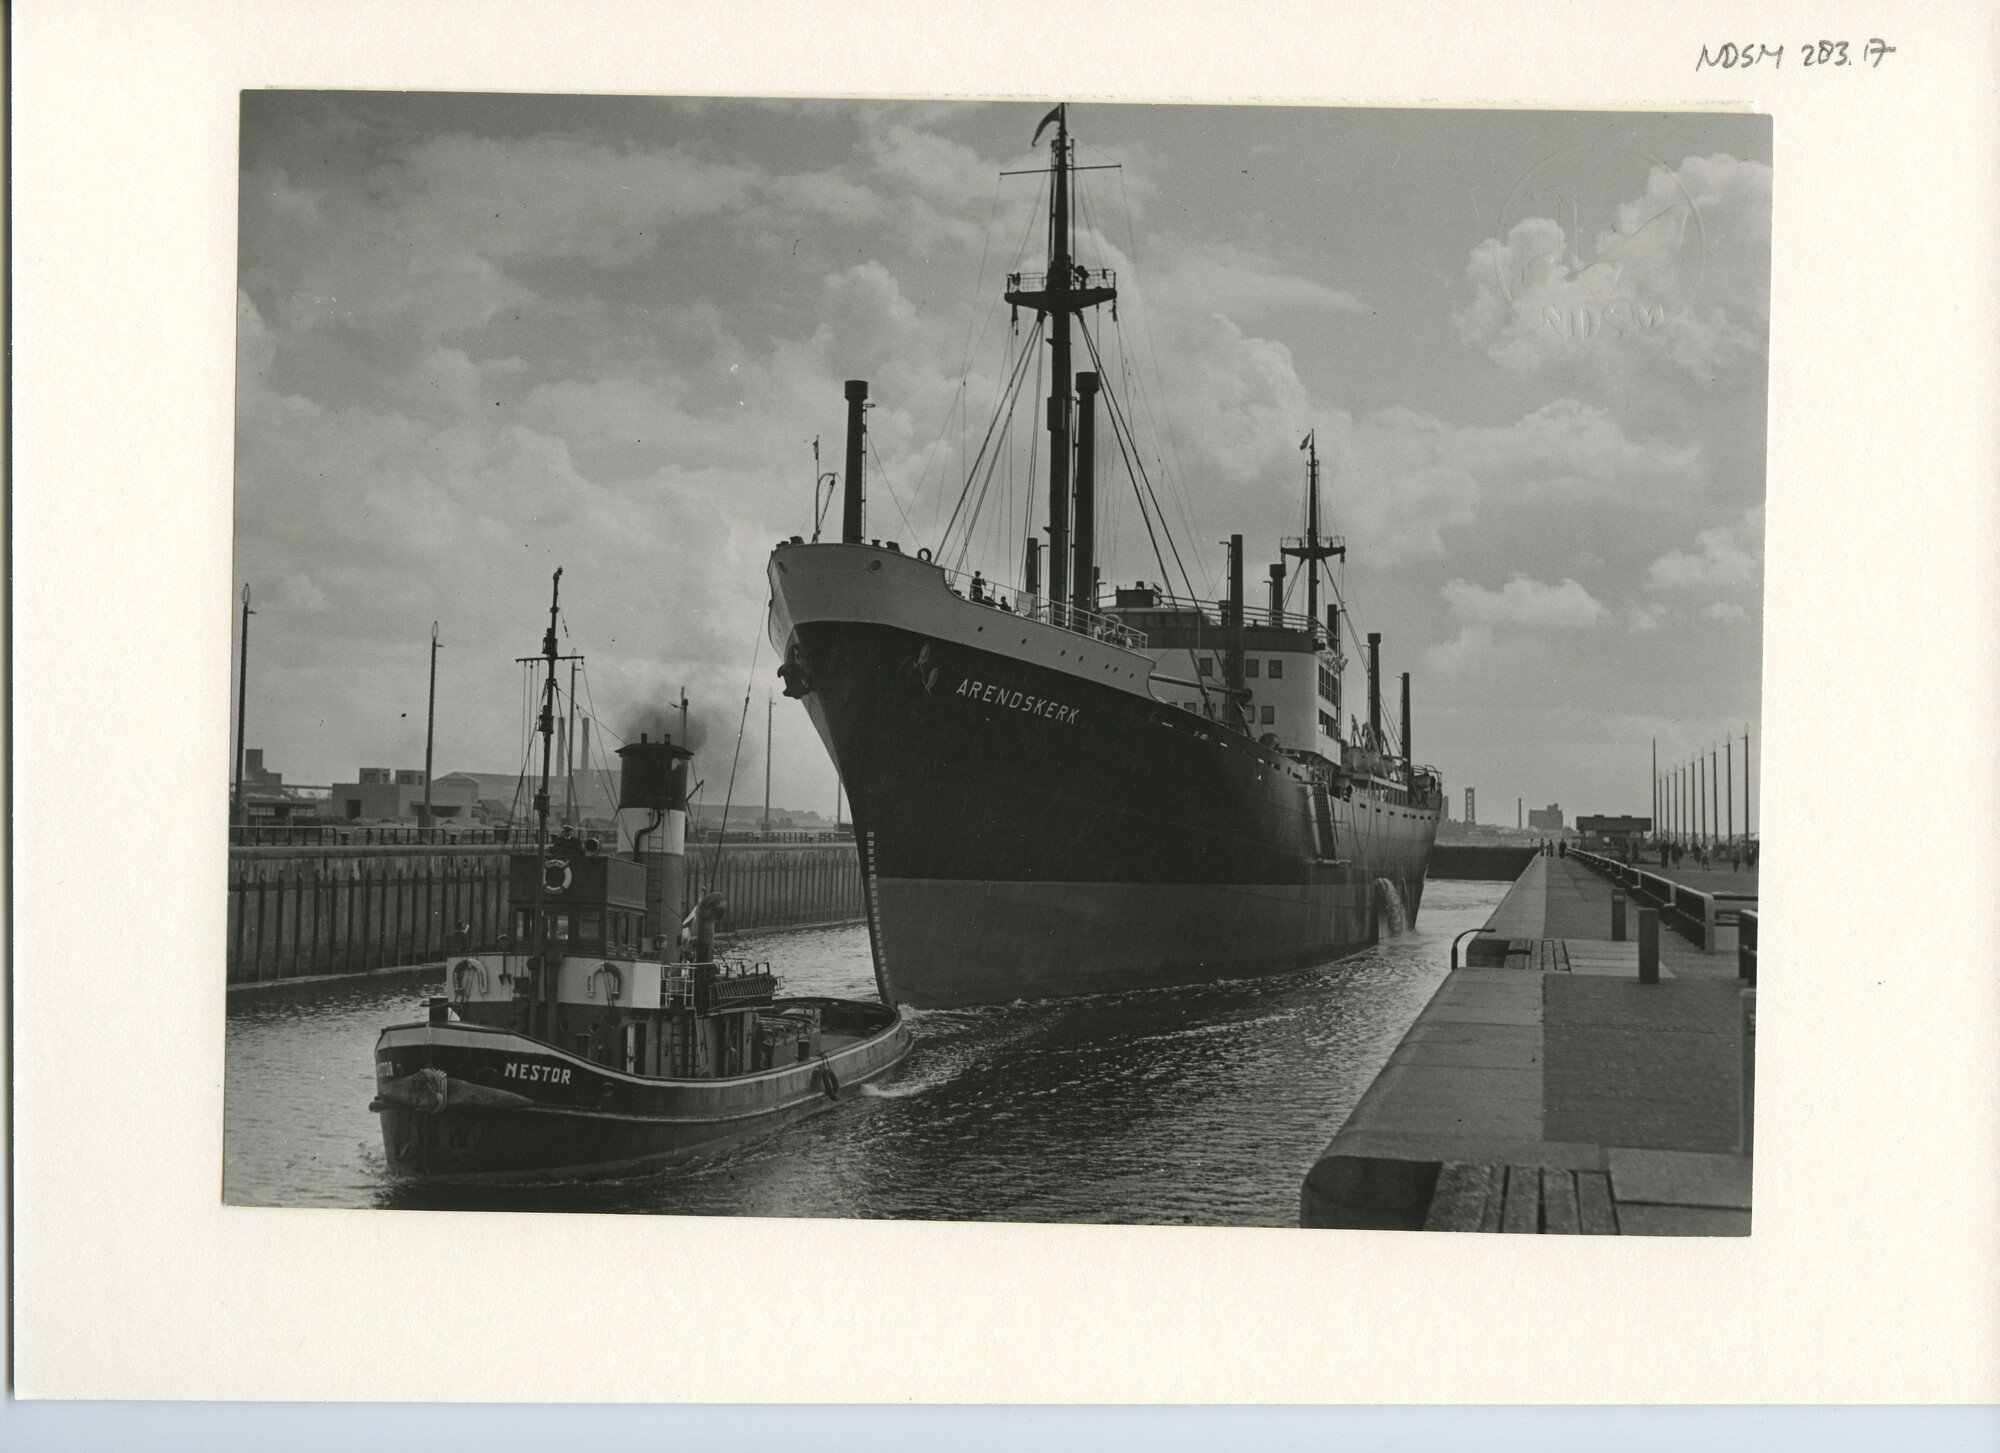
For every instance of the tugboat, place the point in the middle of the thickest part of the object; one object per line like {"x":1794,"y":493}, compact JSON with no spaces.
{"x":582,"y":1048}
{"x":1061,"y":789}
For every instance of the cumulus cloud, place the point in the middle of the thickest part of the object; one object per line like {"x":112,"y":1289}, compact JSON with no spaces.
{"x":1644,"y":617}
{"x":1499,"y":628}
{"x":1725,"y":556}
{"x":1242,"y":287}
{"x":1677,"y":277}
{"x":1528,"y":605}
{"x":1412,"y":477}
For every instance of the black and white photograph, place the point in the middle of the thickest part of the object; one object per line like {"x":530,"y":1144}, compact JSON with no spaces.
{"x":1034,"y":661}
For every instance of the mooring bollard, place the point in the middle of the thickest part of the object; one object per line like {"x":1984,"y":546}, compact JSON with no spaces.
{"x":1618,"y":918}
{"x":1649,"y":945}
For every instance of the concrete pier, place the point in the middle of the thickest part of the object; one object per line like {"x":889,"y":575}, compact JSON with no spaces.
{"x":1545,"y":1089}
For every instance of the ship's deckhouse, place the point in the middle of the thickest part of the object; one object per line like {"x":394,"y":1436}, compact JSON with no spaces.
{"x":593,"y":903}
{"x":1291,"y":681}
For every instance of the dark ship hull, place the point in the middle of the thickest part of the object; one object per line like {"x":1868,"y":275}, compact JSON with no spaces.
{"x":1034,"y":817}
{"x":1032,"y":823}
{"x":468,"y":1102}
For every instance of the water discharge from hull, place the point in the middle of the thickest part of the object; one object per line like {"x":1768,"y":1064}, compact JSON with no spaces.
{"x":1394,"y":918}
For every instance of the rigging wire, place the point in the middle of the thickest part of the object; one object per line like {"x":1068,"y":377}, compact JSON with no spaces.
{"x":882,"y":471}
{"x":972,"y":346}
{"x":603,"y":771}
{"x":1139,"y":391}
{"x":514,"y":808}
{"x":1001,"y":421}
{"x":1008,"y":393}
{"x":1139,"y":476}
{"x":722,"y":833}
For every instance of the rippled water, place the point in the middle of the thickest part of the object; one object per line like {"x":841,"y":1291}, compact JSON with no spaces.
{"x":1199,"y":1105}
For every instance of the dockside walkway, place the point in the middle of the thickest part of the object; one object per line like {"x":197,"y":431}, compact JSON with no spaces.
{"x":1546,"y":1089}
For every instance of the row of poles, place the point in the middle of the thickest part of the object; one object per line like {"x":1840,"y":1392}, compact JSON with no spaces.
{"x":1694,"y":803}
{"x":238,"y":812}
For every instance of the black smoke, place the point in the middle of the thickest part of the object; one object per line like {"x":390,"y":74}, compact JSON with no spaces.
{"x":656,"y":721}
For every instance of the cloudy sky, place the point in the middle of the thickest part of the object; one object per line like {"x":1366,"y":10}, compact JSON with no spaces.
{"x":483,"y":336}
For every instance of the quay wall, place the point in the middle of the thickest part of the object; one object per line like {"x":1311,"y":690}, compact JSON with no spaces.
{"x":300,"y":911}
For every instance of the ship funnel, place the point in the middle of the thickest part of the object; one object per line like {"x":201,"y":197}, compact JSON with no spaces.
{"x":1232,"y":625}
{"x":1407,"y":756}
{"x":1084,"y":577}
{"x":851,"y":513}
{"x":652,"y":777}
{"x":1374,"y":691}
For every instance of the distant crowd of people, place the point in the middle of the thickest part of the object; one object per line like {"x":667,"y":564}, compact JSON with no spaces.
{"x":1737,"y":854}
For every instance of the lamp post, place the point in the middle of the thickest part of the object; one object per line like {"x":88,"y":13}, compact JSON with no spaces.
{"x":430,"y":730}
{"x":236,"y":810}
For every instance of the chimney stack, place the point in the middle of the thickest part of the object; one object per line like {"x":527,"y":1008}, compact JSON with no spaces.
{"x":1408,"y":756}
{"x":1083,"y":578}
{"x":1232,"y":626}
{"x":852,"y":524}
{"x":1375,"y":691}
{"x":652,"y":777}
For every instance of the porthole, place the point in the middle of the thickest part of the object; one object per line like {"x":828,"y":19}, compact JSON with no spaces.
{"x":874,"y":564}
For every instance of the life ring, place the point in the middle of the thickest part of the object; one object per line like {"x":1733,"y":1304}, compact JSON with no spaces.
{"x":617,"y":986}
{"x":556,"y":876}
{"x":829,"y":1081}
{"x":924,"y":554}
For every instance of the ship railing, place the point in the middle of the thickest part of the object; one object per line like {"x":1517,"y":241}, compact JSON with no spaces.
{"x":308,"y":833}
{"x":977,"y":589}
{"x":678,"y":986}
{"x":1212,"y":611}
{"x":1080,"y":277}
{"x":1294,"y":544}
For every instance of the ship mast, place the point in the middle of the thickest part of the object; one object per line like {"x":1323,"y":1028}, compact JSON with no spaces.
{"x":545,"y":979}
{"x":1065,"y":290}
{"x":1312,"y":549}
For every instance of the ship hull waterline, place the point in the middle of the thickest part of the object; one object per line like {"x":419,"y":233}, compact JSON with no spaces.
{"x":1027,"y":832}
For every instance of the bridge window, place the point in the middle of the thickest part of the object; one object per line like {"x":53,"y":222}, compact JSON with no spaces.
{"x":1269,"y":716}
{"x":590,"y":925}
{"x":1277,"y":668}
{"x":1250,"y":669}
{"x":1204,"y":666}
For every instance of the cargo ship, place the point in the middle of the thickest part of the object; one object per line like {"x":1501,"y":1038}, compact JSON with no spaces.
{"x":606,"y":1036}
{"x":1060,"y":790}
